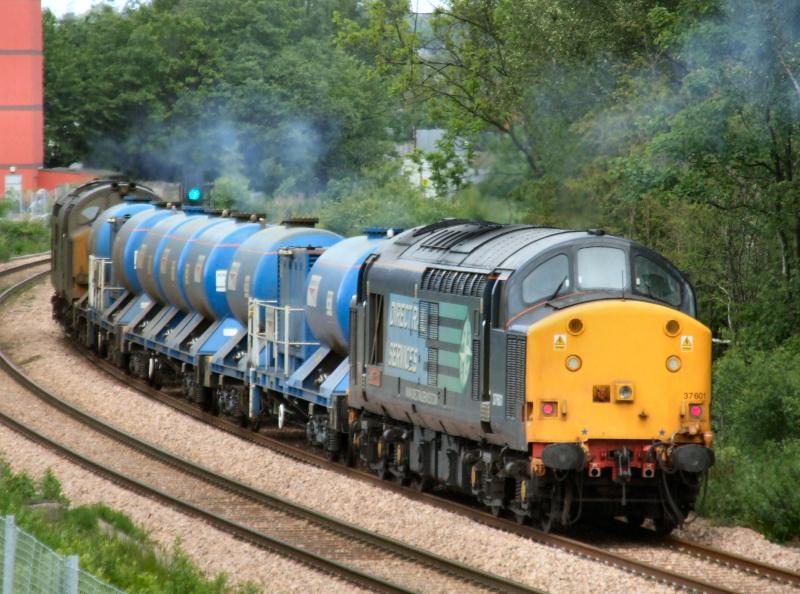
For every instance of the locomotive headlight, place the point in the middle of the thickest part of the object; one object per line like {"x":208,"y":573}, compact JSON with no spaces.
{"x":575,"y":326}
{"x":573,"y":363}
{"x":672,"y":328}
{"x":624,"y":392}
{"x":673,"y":363}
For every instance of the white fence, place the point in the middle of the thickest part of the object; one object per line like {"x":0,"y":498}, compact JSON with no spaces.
{"x":31,"y":567}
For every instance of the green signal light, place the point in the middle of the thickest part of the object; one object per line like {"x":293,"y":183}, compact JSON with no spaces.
{"x":194,"y":194}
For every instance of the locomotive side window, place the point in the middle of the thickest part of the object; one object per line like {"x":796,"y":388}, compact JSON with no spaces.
{"x":547,"y":280}
{"x":654,"y":281}
{"x":602,"y":268}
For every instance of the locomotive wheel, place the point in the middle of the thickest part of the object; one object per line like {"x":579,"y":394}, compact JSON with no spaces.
{"x":664,"y":525}
{"x":550,"y":508}
{"x":404,"y":480}
{"x":635,"y":520}
{"x":351,"y":453}
{"x":422,"y":484}
{"x":548,"y":514}
{"x":255,"y":425}
{"x":496,"y":510}
{"x":383,"y":471}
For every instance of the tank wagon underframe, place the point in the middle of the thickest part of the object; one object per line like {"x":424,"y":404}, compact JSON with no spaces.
{"x":551,"y":374}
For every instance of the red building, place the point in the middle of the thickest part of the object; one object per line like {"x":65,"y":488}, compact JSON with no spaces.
{"x":22,"y":103}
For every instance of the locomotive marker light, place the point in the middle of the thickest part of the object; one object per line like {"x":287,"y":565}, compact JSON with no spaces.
{"x":695,"y":411}
{"x":573,"y":363}
{"x":674,"y":363}
{"x":549,"y":409}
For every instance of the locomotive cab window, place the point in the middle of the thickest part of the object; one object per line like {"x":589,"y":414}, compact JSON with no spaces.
{"x":602,"y":268}
{"x":88,"y":215}
{"x":654,"y":281}
{"x":548,"y":280}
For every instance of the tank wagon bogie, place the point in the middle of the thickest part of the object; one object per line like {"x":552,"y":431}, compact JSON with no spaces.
{"x":549,"y":373}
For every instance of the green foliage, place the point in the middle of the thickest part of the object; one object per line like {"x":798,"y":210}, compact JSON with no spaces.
{"x":758,"y":394}
{"x":757,"y":488}
{"x":176,"y":84}
{"x":381,"y":196}
{"x":108,"y":543}
{"x":22,"y":237}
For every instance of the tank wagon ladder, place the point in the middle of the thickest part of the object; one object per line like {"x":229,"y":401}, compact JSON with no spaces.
{"x":269,"y":326}
{"x":100,"y":294}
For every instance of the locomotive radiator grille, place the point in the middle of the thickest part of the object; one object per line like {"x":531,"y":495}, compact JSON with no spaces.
{"x":515,"y":374}
{"x":476,"y":369}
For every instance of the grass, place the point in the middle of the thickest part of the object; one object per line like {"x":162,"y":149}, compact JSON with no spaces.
{"x":109,"y":544}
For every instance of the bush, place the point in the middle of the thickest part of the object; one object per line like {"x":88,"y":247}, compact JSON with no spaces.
{"x":757,"y":487}
{"x":757,"y":394}
{"x":381,"y":197}
{"x":23,"y":237}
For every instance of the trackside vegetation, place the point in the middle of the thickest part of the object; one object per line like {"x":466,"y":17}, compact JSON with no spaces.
{"x":109,"y":544}
{"x":21,"y":237}
{"x":672,"y":122}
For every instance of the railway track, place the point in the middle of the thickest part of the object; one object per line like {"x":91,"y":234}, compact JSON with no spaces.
{"x":706,"y":569}
{"x":20,"y":263}
{"x":363,"y":558}
{"x":716,"y":571}
{"x":725,"y":570}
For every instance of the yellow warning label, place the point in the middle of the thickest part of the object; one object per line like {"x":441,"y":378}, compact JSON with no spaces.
{"x":559,"y":342}
{"x":687,"y":344}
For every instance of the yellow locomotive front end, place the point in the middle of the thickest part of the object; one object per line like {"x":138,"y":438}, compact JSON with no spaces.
{"x":618,"y":370}
{"x":619,"y":391}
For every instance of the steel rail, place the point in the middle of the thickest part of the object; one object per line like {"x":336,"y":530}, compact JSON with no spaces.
{"x":39,"y":260}
{"x":398,"y":548}
{"x":759,"y":568}
{"x":25,"y":256}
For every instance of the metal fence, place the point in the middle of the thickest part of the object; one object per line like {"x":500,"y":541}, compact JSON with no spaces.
{"x":30,"y":567}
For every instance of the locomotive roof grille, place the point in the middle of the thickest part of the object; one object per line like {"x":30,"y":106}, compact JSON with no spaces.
{"x":448,"y":238}
{"x":456,"y":282}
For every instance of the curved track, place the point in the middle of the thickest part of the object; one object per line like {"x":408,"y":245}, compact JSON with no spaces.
{"x":325,"y":543}
{"x":707,"y":569}
{"x":725,"y":569}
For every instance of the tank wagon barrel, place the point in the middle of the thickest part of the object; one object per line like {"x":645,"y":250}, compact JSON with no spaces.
{"x":549,"y":373}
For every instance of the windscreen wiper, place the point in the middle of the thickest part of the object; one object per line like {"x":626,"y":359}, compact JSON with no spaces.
{"x":557,"y":291}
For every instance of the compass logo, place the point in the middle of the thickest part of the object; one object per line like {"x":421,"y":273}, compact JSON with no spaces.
{"x":465,"y":353}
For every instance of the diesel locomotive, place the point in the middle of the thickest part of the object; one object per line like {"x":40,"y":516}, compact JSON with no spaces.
{"x":551,"y":374}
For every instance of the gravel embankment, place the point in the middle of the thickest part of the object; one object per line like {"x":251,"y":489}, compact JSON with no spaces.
{"x":45,"y":355}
